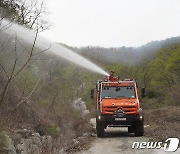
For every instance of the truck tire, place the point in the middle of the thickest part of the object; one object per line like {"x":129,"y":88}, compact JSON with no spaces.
{"x":100,"y":129}
{"x":130,"y":129}
{"x":139,"y":129}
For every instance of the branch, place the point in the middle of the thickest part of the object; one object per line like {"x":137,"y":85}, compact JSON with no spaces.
{"x":30,"y":56}
{"x":15,"y":58}
{"x":4,"y":71}
{"x":29,"y":94}
{"x":42,"y":51}
{"x":5,"y":26}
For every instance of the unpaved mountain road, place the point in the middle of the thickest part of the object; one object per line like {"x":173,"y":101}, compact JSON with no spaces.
{"x":118,"y":140}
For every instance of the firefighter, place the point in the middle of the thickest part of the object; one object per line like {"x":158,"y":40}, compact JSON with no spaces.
{"x":112,"y":73}
{"x":111,"y":77}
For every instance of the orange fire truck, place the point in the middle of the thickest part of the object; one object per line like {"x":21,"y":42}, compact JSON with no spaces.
{"x":117,"y":105}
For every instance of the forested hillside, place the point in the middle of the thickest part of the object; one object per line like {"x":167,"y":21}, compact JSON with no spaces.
{"x":127,"y":55}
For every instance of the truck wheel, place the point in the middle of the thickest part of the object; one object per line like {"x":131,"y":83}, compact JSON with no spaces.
{"x":100,"y":129}
{"x":130,"y":129}
{"x":139,"y":129}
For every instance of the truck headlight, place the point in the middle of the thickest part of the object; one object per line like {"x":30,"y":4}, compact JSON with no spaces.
{"x":141,"y":117}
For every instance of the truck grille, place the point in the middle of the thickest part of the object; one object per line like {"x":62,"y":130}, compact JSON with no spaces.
{"x":127,"y":109}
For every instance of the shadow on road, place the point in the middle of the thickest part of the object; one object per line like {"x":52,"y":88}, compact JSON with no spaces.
{"x":117,"y":132}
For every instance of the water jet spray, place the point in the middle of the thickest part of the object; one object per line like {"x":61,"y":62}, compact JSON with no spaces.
{"x":28,"y":36}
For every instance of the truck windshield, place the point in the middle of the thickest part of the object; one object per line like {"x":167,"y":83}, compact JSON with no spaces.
{"x":118,"y":92}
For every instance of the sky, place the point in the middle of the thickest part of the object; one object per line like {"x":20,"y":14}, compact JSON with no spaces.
{"x":112,"y":23}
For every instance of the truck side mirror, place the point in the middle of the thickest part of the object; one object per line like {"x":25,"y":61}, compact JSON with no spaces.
{"x":143,"y":92}
{"x":92,"y":94}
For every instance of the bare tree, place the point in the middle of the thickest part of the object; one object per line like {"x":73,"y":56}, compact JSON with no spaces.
{"x":10,"y":76}
{"x":29,"y":13}
{"x":26,"y":12}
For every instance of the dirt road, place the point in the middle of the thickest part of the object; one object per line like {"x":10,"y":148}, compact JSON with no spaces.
{"x":117,"y":140}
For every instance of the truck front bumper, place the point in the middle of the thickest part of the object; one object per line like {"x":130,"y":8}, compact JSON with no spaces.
{"x":126,"y":120}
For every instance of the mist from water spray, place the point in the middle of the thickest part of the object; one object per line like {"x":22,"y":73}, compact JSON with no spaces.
{"x":28,"y":36}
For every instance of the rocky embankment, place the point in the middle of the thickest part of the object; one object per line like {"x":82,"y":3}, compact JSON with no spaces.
{"x":25,"y":141}
{"x":37,"y":134}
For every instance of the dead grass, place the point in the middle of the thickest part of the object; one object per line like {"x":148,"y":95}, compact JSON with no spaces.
{"x":163,"y":123}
